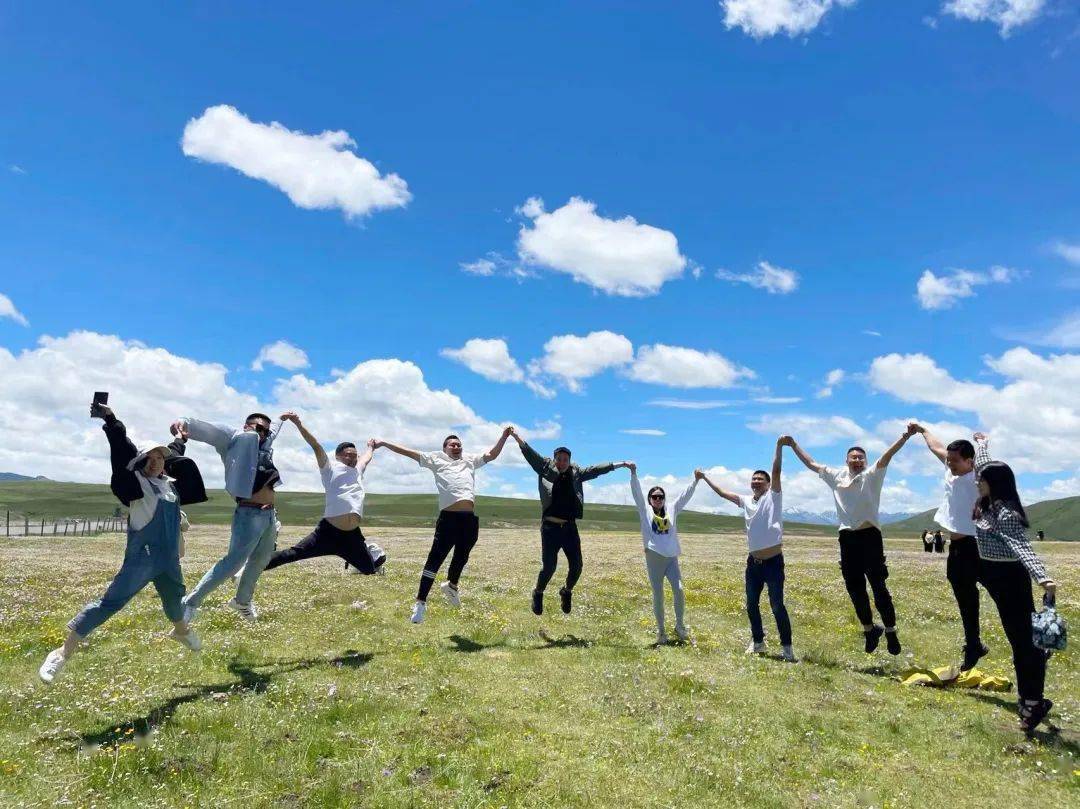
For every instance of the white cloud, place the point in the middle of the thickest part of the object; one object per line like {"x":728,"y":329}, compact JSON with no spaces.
{"x":616,"y":256}
{"x":945,"y":291}
{"x":815,"y":431}
{"x":7,"y":309}
{"x":774,"y":280}
{"x":778,"y":400}
{"x":16,"y":169}
{"x":315,"y":171}
{"x":1006,"y":14}
{"x":1063,"y":334}
{"x":1033,"y":418}
{"x":45,"y":429}
{"x":489,"y":358}
{"x":871,"y":333}
{"x":644,"y":431}
{"x":482,"y":266}
{"x":766,"y":18}
{"x":1069,"y":252}
{"x":692,"y":404}
{"x":832,"y":379}
{"x":679,"y":367}
{"x":282,"y":354}
{"x":570,"y":358}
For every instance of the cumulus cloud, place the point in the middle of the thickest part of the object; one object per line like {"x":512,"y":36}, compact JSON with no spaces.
{"x":45,"y":429}
{"x":489,"y":358}
{"x":1069,"y":252}
{"x":315,"y":171}
{"x":945,"y":291}
{"x":679,"y":367}
{"x":7,"y":309}
{"x":616,"y":256}
{"x":766,"y":18}
{"x":283,"y":355}
{"x":832,"y":379}
{"x":774,"y":280}
{"x":570,"y":358}
{"x":1006,"y":14}
{"x":1033,"y":417}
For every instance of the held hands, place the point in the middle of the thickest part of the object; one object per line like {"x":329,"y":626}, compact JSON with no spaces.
{"x":372,"y":444}
{"x":631,"y":466}
{"x":785,"y":441}
{"x":980,"y":438}
{"x":914,"y":427}
{"x":509,"y":431}
{"x":290,"y":415}
{"x":622,"y":465}
{"x":375,"y":443}
{"x":698,"y":474}
{"x":179,"y":429}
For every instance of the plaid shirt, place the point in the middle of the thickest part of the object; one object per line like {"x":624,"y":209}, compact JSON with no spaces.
{"x":1001,"y":534}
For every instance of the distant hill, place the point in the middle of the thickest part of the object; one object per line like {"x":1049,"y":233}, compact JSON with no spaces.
{"x":11,"y":476}
{"x":300,"y":508}
{"x":830,"y":518}
{"x":1058,"y":519}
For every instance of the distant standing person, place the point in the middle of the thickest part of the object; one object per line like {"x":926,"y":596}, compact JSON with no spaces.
{"x":153,"y":498}
{"x":1007,"y":564}
{"x":562,"y":504}
{"x":660,"y":535}
{"x":764,"y":516}
{"x":457,"y":527}
{"x":338,"y":532}
{"x":955,"y":516}
{"x":250,"y":477}
{"x":857,"y":492}
{"x":939,"y":542}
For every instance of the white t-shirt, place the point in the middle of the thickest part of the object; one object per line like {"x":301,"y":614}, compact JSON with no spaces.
{"x":857,"y":498}
{"x":455,"y":480}
{"x":764,"y":520}
{"x":954,"y":513}
{"x":344,"y":486}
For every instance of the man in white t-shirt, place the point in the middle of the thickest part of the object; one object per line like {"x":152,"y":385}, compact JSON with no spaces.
{"x":457,"y":527}
{"x":955,"y":516}
{"x":338,"y":532}
{"x":857,"y":492}
{"x":764,"y":516}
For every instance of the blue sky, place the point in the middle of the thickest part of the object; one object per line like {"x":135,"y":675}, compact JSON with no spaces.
{"x":851,"y":147}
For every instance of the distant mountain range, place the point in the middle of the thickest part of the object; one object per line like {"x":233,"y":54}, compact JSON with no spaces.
{"x":13,"y":476}
{"x":830,"y":518}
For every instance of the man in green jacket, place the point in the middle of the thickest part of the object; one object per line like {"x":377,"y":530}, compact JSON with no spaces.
{"x":562,"y":502}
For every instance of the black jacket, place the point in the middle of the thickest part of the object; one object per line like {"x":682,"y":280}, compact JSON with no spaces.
{"x":184,"y":472}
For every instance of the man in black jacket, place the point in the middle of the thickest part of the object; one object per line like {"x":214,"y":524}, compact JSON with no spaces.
{"x":562,"y":502}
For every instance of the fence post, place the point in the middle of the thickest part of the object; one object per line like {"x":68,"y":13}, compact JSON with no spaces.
{"x":42,"y":526}
{"x":26,"y":526}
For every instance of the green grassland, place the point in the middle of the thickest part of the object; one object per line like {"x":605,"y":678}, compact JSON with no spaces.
{"x":1057,"y":519}
{"x":334,"y":699}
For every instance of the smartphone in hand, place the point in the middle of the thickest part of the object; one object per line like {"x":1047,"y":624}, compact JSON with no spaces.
{"x":101,"y":399}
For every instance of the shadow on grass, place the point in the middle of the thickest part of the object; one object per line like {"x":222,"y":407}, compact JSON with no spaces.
{"x":563,"y":642}
{"x":251,"y":678}
{"x":460,"y":643}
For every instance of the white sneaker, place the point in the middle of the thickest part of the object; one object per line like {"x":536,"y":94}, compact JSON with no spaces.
{"x":418,"y":610}
{"x":683,"y":633}
{"x":52,"y":666}
{"x":450,"y":592}
{"x":190,"y":640}
{"x":756,"y":648}
{"x":661,"y":639}
{"x":788,"y":654}
{"x":248,"y":612}
{"x":189,"y":614}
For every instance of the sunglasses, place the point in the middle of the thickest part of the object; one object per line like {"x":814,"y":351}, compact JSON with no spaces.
{"x":657,"y":497}
{"x":259,"y":428}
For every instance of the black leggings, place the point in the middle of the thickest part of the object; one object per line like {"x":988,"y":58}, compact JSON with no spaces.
{"x":862,"y":559}
{"x":326,"y":540}
{"x":455,"y":531}
{"x":962,"y":571}
{"x":1009,"y":584}
{"x":555,"y":538}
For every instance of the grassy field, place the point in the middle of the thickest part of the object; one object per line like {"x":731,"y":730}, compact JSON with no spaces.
{"x":1058,"y":519}
{"x":333,"y":699}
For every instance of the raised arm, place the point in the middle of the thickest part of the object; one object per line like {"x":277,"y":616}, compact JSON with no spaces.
{"x":540,"y":465}
{"x":493,"y":453}
{"x":933,"y":443}
{"x":123,"y":483}
{"x":365,"y":457}
{"x":887,"y":456}
{"x":801,"y":454}
{"x":596,"y":470}
{"x":320,"y":453}
{"x":982,"y":451}
{"x":734,"y":498}
{"x":684,"y":498}
{"x":778,"y":460}
{"x":400,"y":450}
{"x":216,"y":435}
{"x":635,"y":489}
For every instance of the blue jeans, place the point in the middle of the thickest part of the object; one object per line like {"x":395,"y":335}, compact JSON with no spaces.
{"x":770,"y":573}
{"x":254,"y":532}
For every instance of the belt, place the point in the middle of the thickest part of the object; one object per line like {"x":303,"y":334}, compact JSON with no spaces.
{"x":251,"y":504}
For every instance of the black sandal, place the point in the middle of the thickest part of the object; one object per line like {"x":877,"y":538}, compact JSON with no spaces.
{"x":1031,"y":716}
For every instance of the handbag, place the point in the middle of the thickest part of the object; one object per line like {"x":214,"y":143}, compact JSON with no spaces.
{"x":1049,"y":630}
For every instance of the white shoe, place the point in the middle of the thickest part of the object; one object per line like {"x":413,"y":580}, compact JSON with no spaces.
{"x":683,"y":633}
{"x":418,"y":610}
{"x":661,"y":639}
{"x":248,"y":612}
{"x":788,"y":654}
{"x":450,"y":592}
{"x":190,"y":640}
{"x":189,"y":614}
{"x":52,"y":666}
{"x":756,"y":648}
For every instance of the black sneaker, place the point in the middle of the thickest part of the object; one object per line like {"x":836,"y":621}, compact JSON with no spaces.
{"x":1031,"y":716}
{"x":972,"y":655}
{"x":892,"y":642}
{"x":538,"y":602}
{"x":566,"y":596}
{"x":873,"y":637}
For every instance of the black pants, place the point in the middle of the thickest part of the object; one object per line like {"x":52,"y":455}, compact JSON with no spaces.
{"x":326,"y":540}
{"x":555,"y":538}
{"x":962,"y":571}
{"x":1009,"y":584}
{"x":455,"y":531}
{"x":862,"y":559}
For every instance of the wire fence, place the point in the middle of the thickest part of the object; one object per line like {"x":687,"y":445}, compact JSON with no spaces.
{"x":28,"y":525}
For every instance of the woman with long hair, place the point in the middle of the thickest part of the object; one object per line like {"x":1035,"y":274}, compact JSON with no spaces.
{"x":660,"y":536}
{"x":1006,"y":561}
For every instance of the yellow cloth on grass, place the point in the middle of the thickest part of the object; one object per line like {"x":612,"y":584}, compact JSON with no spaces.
{"x":952,"y":677}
